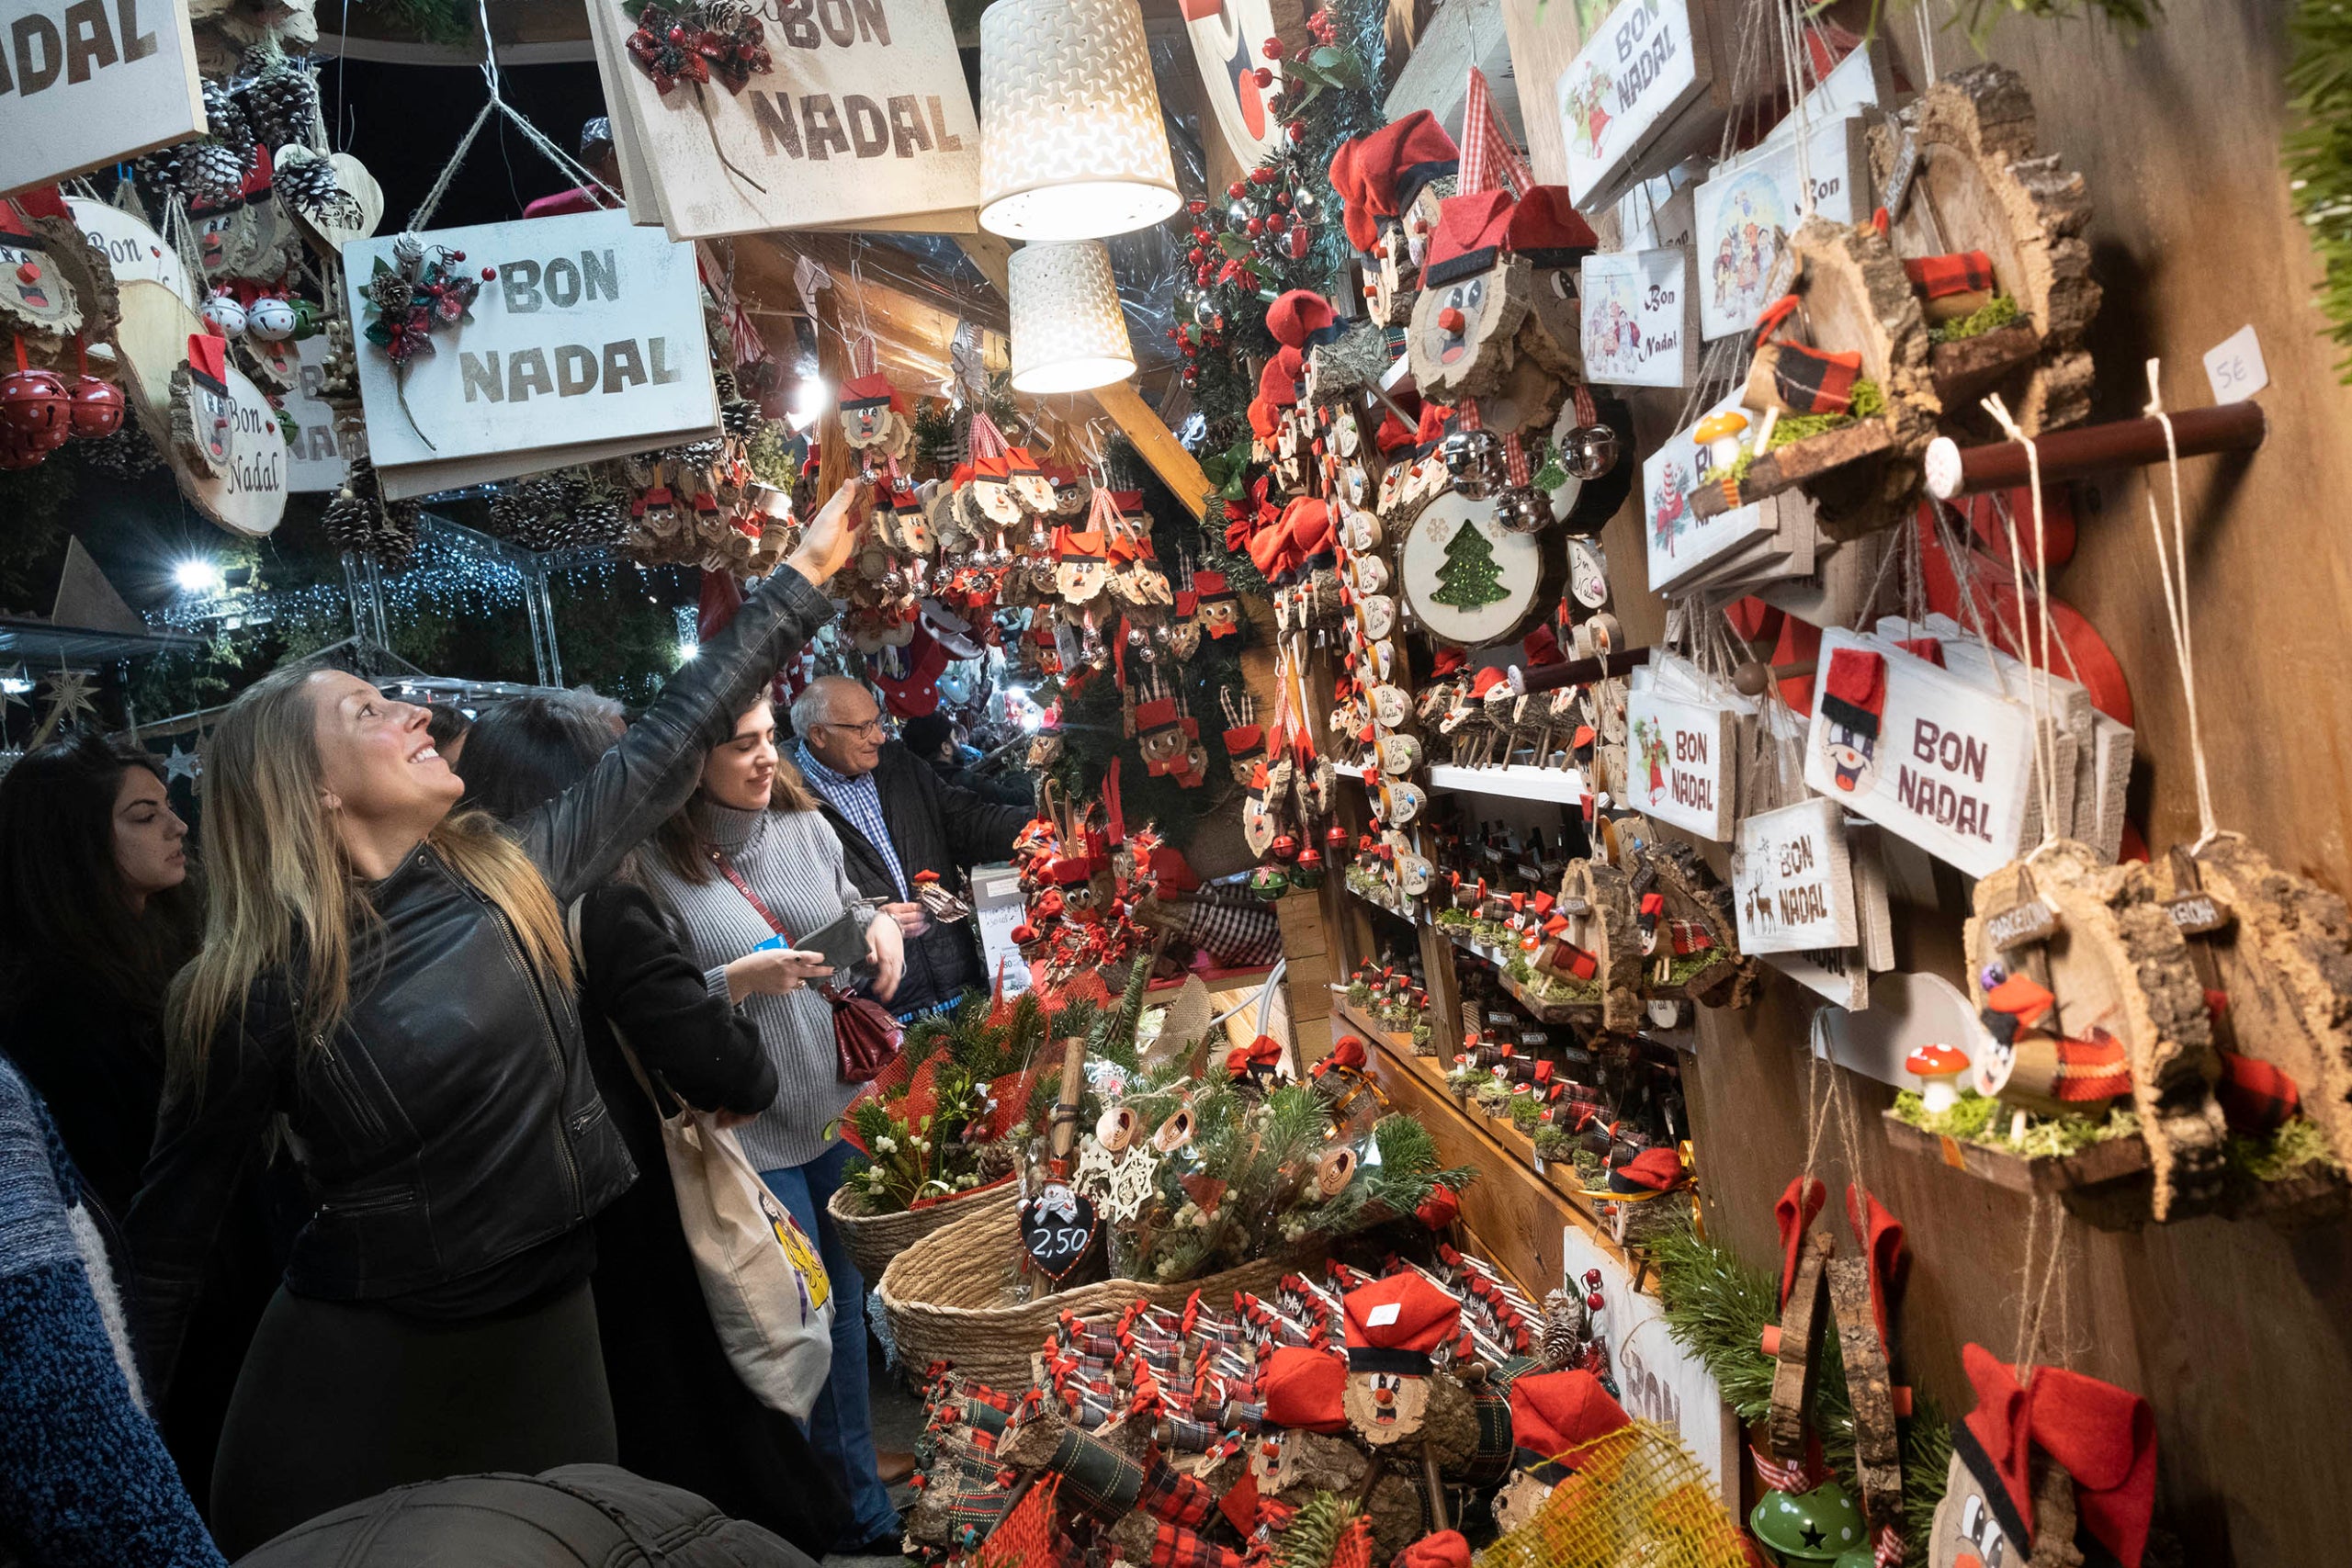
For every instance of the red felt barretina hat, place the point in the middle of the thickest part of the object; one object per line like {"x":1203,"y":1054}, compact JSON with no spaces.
{"x":1552,"y":1413}
{"x":1394,"y":1324}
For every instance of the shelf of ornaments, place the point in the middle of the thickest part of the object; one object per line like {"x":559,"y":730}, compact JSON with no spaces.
{"x":1500,"y":1138}
{"x":1547,"y":1009}
{"x":1516,"y":780}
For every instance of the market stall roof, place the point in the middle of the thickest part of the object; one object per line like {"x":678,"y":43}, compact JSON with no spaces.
{"x":33,"y":640}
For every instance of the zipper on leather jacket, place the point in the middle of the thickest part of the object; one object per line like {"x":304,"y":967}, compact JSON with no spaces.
{"x":553,"y":1038}
{"x":348,"y":1083}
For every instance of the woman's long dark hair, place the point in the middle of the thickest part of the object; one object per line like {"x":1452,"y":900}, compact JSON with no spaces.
{"x":66,"y":917}
{"x":524,"y":752}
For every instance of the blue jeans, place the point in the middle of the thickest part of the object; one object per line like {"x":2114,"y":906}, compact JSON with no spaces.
{"x":841,"y":1427}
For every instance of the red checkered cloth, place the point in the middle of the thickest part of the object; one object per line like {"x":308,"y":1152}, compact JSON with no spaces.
{"x":1030,"y":1532}
{"x":1171,"y":1496}
{"x":1488,"y":156}
{"x":1961,"y":272}
{"x":2255,"y":1096}
{"x":1813,"y":381}
{"x":1173,"y":1546}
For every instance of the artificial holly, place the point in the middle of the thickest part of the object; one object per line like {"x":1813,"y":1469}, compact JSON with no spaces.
{"x":695,"y":41}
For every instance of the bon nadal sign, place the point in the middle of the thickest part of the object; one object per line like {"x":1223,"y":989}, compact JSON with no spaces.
{"x":1681,"y":758}
{"x":1635,"y":74}
{"x":87,"y":83}
{"x":816,"y":114}
{"x":585,"y":342}
{"x":1929,"y":756}
{"x":1639,"y":318}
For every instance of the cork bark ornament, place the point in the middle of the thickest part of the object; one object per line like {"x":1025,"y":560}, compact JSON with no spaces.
{"x":57,"y":290}
{"x":1978,"y":182}
{"x":203,"y":413}
{"x":2121,"y":988}
{"x":1599,"y":944}
{"x":1463,"y":338}
{"x":1691,"y":939}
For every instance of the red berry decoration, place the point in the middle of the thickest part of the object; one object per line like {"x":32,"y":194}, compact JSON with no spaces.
{"x":1594,"y":1302}
{"x":1196,"y":207}
{"x":1265,"y":78}
{"x":1255,"y":226}
{"x":1204,"y":277}
{"x":490,"y":274}
{"x":97,"y":408}
{"x":1272,"y":48}
{"x":1276,"y":222}
{"x":1236,"y":190}
{"x":1261,"y":176}
{"x":1592,"y":1278}
{"x":1282,"y":198}
{"x":1298,"y":131}
{"x":1196,"y":255}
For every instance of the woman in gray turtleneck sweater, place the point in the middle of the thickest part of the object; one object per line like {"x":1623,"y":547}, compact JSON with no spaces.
{"x":752,"y":812}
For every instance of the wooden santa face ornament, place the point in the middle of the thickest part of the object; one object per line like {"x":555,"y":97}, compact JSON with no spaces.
{"x":1460,"y":342}
{"x":1391,"y":1328}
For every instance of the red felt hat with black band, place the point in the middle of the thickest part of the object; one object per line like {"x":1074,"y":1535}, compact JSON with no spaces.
{"x":1301,"y":319}
{"x":1393,"y":163}
{"x":2104,"y":1436}
{"x":1473,"y":233}
{"x":1301,"y":1388}
{"x":1396,"y":1324}
{"x":1652,"y":1170}
{"x":208,"y":361}
{"x":871,"y":392}
{"x":1853,"y":697}
{"x":1553,"y":1412}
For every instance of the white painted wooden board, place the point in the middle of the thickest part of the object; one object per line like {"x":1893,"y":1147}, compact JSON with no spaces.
{"x":1949,"y":770}
{"x":1792,"y":884}
{"x":87,"y":83}
{"x":319,"y":457}
{"x":1679,"y":542}
{"x":1640,"y":317}
{"x":1838,"y":974}
{"x":1744,"y":208}
{"x":132,"y":248}
{"x":866,"y":121}
{"x":1637,"y":71}
{"x":249,"y":495}
{"x":590,"y":339}
{"x":1682,"y":763}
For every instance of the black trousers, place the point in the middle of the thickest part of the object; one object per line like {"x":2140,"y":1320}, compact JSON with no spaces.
{"x":338,"y":1401}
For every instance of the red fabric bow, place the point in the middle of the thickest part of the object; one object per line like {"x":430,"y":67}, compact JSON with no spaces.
{"x":1793,"y":1214}
{"x":2104,"y":1435}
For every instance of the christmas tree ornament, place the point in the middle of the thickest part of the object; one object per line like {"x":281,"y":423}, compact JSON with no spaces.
{"x":1815,"y":1526}
{"x":224,"y":314}
{"x":271,"y":317}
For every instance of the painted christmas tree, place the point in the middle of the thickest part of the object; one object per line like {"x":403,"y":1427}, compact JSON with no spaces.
{"x":1469,"y":579}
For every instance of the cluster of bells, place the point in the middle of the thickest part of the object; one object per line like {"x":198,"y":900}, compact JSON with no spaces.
{"x":272,"y":318}
{"x":1475,"y":462}
{"x":1299,"y":865}
{"x":40,"y":410}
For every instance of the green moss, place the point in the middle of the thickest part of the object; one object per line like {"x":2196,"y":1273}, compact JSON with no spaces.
{"x":1525,"y":1114}
{"x":2298,"y":1148}
{"x":1976,"y":1120}
{"x":1552,"y":1142}
{"x":1452,"y":919}
{"x":1997,"y":312}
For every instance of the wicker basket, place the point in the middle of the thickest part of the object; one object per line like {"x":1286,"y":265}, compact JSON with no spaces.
{"x":875,"y":1240}
{"x":940,"y":1296}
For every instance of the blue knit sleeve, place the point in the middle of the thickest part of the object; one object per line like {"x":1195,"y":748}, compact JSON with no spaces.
{"x":85,"y":1479}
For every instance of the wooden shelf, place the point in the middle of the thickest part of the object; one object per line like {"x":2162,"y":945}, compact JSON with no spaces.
{"x":1519,"y":781}
{"x":1545,"y":1009}
{"x":1516,"y":1195}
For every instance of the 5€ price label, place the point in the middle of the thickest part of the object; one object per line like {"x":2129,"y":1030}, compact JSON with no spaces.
{"x":2235,"y":367}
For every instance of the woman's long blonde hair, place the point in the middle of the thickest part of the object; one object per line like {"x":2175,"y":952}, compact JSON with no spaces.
{"x":281,"y":890}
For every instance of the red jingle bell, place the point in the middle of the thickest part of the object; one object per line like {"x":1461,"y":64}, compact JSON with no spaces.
{"x":36,"y":405}
{"x":1286,"y":848}
{"x":16,"y":451}
{"x":97,"y":408}
{"x":1310,"y":859}
{"x":1335,"y":841}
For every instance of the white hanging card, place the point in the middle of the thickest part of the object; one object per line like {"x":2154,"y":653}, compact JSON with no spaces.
{"x":1793,"y":887}
{"x":1639,"y":319}
{"x":1680,"y":752}
{"x":1679,"y":541}
{"x":1636,"y":72}
{"x":318,"y":457}
{"x":1744,"y":208}
{"x":132,"y":248}
{"x":1925,"y":753}
{"x":587,"y":342}
{"x":1835,"y":973}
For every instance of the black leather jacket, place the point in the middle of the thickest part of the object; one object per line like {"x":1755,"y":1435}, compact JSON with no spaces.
{"x":450,"y":1121}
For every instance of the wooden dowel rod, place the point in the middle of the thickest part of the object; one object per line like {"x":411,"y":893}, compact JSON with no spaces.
{"x":1575,"y":672}
{"x":1953,"y":470}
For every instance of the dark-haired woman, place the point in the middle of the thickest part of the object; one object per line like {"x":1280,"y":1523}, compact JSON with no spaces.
{"x":397,"y":984}
{"x":97,"y":912}
{"x":679,"y":1411}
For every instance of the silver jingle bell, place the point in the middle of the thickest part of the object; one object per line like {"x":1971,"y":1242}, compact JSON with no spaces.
{"x":1522,"y":512}
{"x":1589,"y":451}
{"x":1470,"y":461}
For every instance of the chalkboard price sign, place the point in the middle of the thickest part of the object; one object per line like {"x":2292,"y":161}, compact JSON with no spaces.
{"x":1057,"y":1228}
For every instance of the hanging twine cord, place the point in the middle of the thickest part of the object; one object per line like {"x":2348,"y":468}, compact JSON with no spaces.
{"x":2045,"y":739}
{"x":2168,"y":564}
{"x":2033,"y":1300}
{"x":571,"y":168}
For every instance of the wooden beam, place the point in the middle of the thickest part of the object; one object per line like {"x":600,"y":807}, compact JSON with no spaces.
{"x":992,"y":254}
{"x":1152,"y":438}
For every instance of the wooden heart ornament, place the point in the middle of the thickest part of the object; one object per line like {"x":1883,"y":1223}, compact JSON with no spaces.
{"x":1057,"y":1228}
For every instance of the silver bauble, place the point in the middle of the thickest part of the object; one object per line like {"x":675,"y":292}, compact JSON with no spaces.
{"x":1522,"y":512}
{"x":1589,"y":451}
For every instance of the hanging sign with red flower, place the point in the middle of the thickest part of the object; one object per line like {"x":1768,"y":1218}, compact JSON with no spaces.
{"x":698,"y":42}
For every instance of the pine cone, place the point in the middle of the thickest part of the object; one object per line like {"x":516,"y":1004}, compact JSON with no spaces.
{"x":308,"y":183}
{"x":281,"y":103}
{"x":390,"y":293}
{"x":225,"y":120}
{"x":739,"y":417}
{"x":725,"y":381}
{"x":212,"y":171}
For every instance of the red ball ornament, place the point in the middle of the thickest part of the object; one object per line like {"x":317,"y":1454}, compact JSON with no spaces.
{"x":489,"y":275}
{"x":1236,"y":190}
{"x":1282,"y":198}
{"x":1276,"y":222}
{"x":1265,"y":78}
{"x":34,"y":403}
{"x":1298,"y":131}
{"x":457,"y":255}
{"x":1204,"y":277}
{"x":1261,"y":176}
{"x":1192,"y":377}
{"x":16,"y":451}
{"x":1255,"y":226}
{"x":1196,"y":207}
{"x":1286,"y":848}
{"x":1272,"y":48}
{"x":97,"y":408}
{"x":1594,"y":1302}
{"x":1592,"y":1278}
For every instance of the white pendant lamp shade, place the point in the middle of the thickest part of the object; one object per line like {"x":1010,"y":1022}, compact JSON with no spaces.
{"x":1067,"y":333}
{"x":1071,"y":144}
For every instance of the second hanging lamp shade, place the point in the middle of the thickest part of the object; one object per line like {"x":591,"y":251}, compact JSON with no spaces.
{"x":1071,"y":143}
{"x":1069,"y":334}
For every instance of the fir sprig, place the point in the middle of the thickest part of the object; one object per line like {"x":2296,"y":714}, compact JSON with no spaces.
{"x":2319,"y":155}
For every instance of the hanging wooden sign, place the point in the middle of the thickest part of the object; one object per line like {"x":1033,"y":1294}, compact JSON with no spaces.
{"x":1228,"y":38}
{"x":1930,"y":757}
{"x":1792,"y":882}
{"x":246,"y":490}
{"x":1679,"y":540}
{"x":586,"y":342}
{"x":131,"y":247}
{"x":88,"y":83}
{"x":1057,"y":1228}
{"x":1640,"y":319}
{"x":1683,"y":769}
{"x":861,"y":120}
{"x":1749,"y":207}
{"x":1619,"y":99}
{"x":1471,"y":582}
{"x":320,"y":454}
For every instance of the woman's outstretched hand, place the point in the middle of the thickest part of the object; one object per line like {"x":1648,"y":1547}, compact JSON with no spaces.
{"x":825,"y":543}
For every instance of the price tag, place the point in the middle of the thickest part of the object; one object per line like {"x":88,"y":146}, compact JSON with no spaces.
{"x":2235,"y":367}
{"x":1897,"y":193}
{"x":1057,"y":1228}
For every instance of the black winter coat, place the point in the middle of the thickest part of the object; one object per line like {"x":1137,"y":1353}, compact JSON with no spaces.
{"x":682,"y":1415}
{"x":935,"y":825}
{"x":448,"y":1123}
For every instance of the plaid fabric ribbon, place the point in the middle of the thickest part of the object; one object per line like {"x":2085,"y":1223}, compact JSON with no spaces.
{"x":1183,"y":1435}
{"x":1490,"y":1460}
{"x":2255,"y":1096}
{"x":1173,"y":1546}
{"x":1488,"y":155}
{"x":1246,"y":1416}
{"x":1237,"y":936}
{"x":1515,"y":460}
{"x":1961,"y":272}
{"x":1096,"y":1477}
{"x":1886,"y":1546}
{"x":1174,"y":1497}
{"x":1813,"y":381}
{"x":1795,"y":1477}
{"x":969,"y":1478}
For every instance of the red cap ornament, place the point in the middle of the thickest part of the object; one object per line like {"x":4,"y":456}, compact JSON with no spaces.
{"x":1393,"y":1328}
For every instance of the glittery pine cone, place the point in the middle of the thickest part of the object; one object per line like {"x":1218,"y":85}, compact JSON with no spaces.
{"x":226,"y":120}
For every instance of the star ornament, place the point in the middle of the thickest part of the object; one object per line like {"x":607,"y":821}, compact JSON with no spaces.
{"x":69,"y":696}
{"x":180,"y":764}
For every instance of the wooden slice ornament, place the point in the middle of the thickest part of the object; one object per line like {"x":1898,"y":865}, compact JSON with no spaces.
{"x":1857,"y":321}
{"x":2280,"y":947}
{"x":1471,"y":582}
{"x":1797,"y":1356}
{"x":1697,"y":922}
{"x":54,"y":286}
{"x":1463,"y":338}
{"x":2120,"y":975}
{"x":1980,"y":184}
{"x":1599,"y":946}
{"x":1869,"y":1392}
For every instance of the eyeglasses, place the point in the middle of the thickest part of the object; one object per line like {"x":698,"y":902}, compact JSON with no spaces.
{"x":865,"y":726}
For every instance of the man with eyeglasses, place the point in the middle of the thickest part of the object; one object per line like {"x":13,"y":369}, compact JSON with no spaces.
{"x":897,"y":817}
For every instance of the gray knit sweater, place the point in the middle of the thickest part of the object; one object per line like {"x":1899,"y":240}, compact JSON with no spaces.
{"x":794,"y":862}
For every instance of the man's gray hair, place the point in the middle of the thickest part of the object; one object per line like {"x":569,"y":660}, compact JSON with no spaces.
{"x":814,"y":705}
